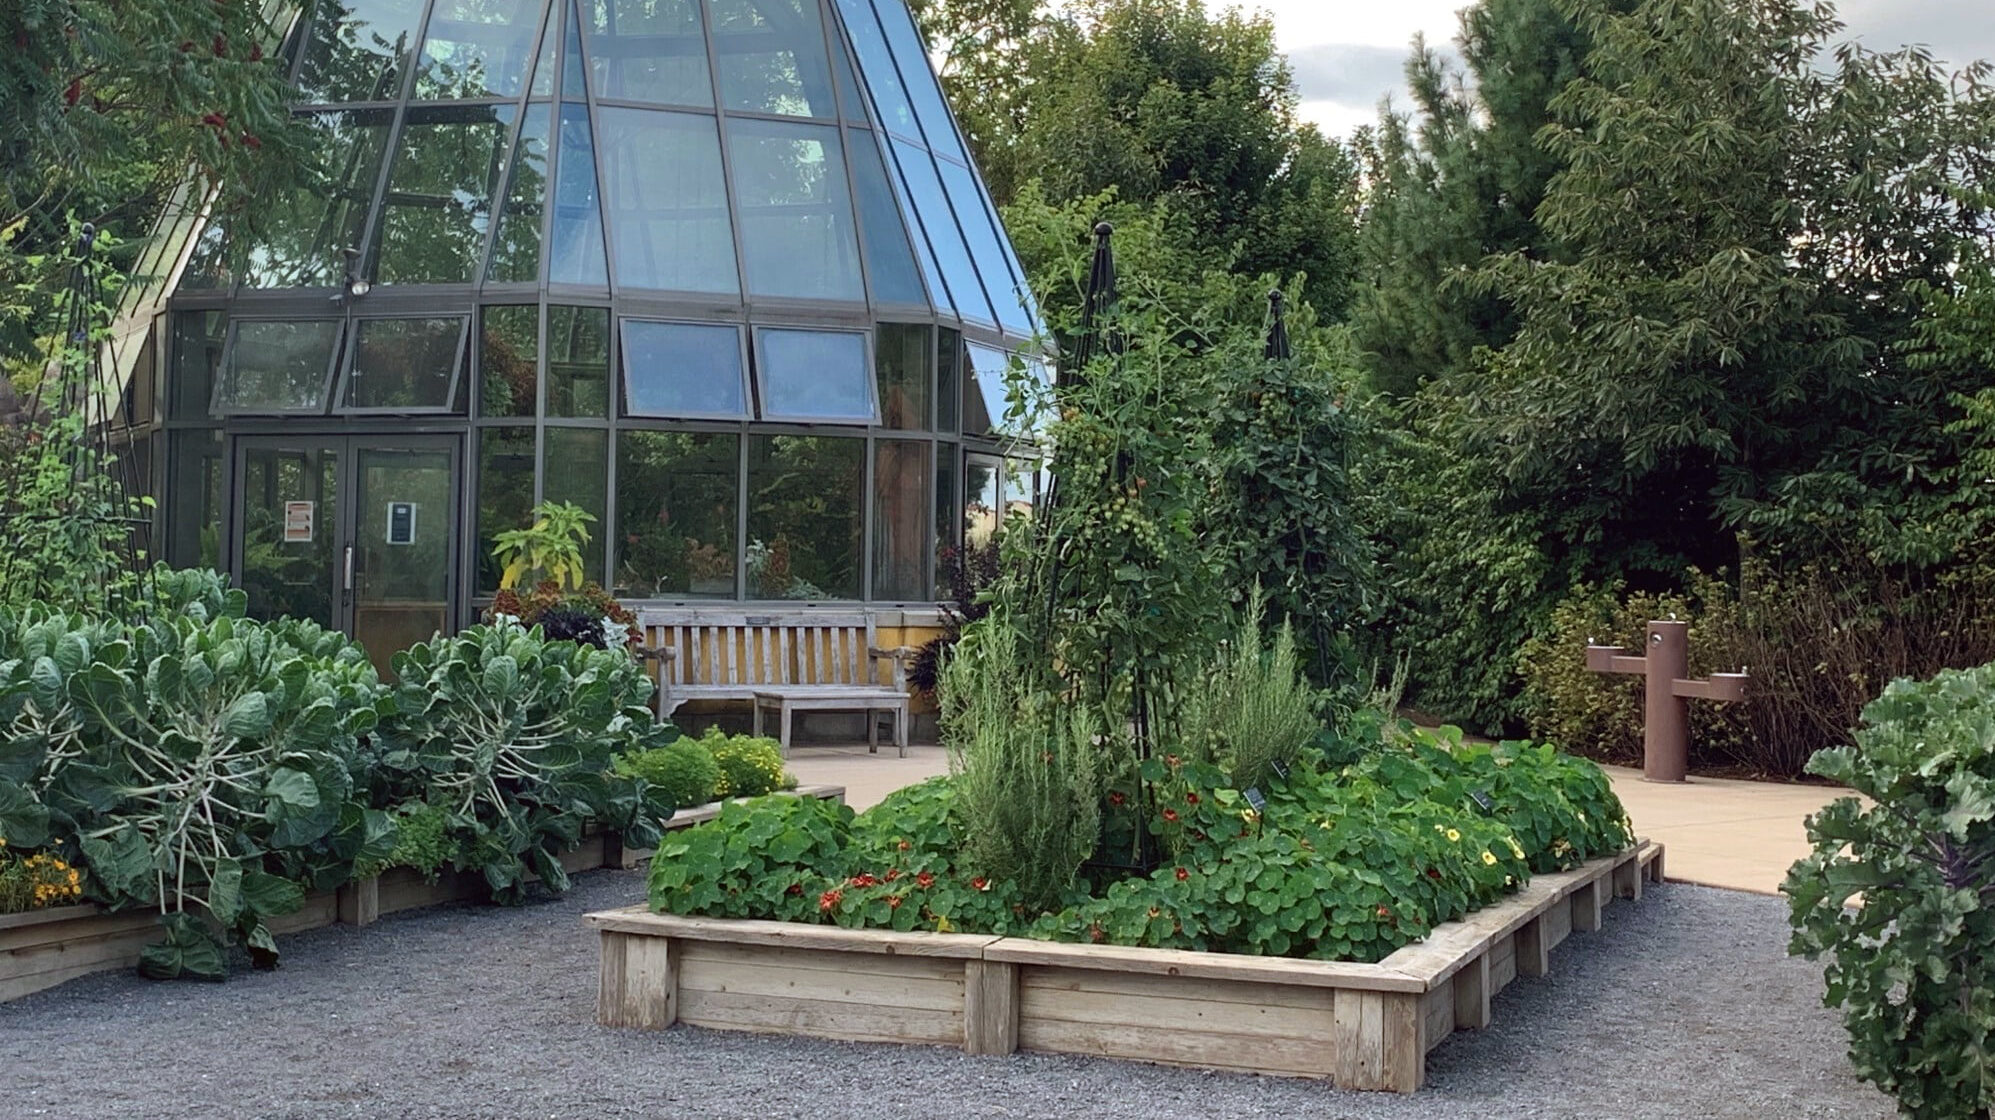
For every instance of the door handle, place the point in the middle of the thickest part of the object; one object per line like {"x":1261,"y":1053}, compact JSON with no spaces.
{"x":349,"y":569}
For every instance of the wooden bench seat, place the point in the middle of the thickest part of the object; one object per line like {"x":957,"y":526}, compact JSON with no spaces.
{"x":787,"y":662}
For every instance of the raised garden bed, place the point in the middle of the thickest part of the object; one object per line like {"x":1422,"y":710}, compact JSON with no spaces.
{"x":1362,"y":1026}
{"x":42,"y":948}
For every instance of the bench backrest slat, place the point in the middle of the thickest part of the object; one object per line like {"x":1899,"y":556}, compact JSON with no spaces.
{"x":737,"y":650}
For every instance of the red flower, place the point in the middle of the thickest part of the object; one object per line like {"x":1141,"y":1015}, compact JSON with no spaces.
{"x":1385,"y":912}
{"x":1183,"y":874}
{"x":795,"y":889}
{"x":829,"y":899}
{"x":1433,"y":873}
{"x":893,"y":902}
{"x":863,"y":879}
{"x":924,"y":880}
{"x":980,"y":883}
{"x":904,"y":845}
{"x":1097,"y":934}
{"x":215,"y":120}
{"x":1170,"y":814}
{"x":1115,"y":797}
{"x":893,"y":873}
{"x":1191,"y":799}
{"x":1171,"y":761}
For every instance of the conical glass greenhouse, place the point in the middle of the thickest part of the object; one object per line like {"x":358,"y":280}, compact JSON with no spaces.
{"x":721,"y":272}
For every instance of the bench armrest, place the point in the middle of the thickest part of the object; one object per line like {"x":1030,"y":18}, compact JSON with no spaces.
{"x":900,"y":656}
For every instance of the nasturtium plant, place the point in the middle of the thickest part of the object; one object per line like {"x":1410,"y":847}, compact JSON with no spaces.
{"x":516,"y":737}
{"x":1897,"y":894}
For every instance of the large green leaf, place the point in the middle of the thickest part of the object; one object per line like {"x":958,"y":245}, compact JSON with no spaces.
{"x":270,"y":896}
{"x":24,"y":820}
{"x":294,"y":788}
{"x":190,"y":949}
{"x":248,"y":717}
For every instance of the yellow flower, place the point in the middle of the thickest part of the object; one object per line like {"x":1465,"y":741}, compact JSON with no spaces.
{"x":1515,"y":848}
{"x":1454,"y":836}
{"x":1582,"y":818}
{"x":1489,"y":859}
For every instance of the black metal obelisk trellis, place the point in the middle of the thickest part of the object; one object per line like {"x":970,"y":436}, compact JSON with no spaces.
{"x":78,"y":385}
{"x":1279,"y":353}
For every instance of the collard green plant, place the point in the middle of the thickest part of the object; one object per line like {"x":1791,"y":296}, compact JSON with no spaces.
{"x":1908,"y":966}
{"x":206,"y":768}
{"x":516,"y":736}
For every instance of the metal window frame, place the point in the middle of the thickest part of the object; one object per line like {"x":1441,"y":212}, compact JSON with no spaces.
{"x":625,"y":411}
{"x":224,"y":376}
{"x":867,"y":371}
{"x":346,"y":382}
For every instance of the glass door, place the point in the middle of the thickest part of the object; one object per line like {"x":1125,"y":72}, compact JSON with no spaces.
{"x":288,"y":529}
{"x":356,"y":533}
{"x":404,"y":542}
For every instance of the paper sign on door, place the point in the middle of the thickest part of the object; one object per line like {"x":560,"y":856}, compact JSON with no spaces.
{"x":299,"y":518}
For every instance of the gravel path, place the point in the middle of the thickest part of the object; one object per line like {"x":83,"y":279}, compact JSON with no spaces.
{"x":1684,"y":1006}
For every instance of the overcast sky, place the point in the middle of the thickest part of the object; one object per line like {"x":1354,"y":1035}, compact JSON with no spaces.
{"x":1348,"y":54}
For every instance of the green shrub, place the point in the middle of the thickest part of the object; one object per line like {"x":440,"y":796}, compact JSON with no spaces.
{"x":749,"y":766}
{"x":1909,"y":966}
{"x":684,"y":773}
{"x":424,"y":842}
{"x":1027,"y":767}
{"x":1252,"y":709}
{"x":516,"y":735}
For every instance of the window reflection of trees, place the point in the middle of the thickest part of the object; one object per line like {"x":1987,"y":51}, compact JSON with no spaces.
{"x":477,"y":48}
{"x":677,"y":498}
{"x":510,"y":362}
{"x":438,"y":204}
{"x":804,"y":517}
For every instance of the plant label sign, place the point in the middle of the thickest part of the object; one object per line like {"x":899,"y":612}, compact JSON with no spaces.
{"x":299,"y":520}
{"x":401,"y":522}
{"x":1255,"y":798}
{"x":1483,"y":800}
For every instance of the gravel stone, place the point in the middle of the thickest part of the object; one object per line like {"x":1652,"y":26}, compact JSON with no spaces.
{"x":1685,"y":1005}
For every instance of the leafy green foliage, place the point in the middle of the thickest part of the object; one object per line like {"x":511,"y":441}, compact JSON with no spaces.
{"x":205,"y":767}
{"x":683,"y":774}
{"x":1252,"y":710}
{"x":1343,"y":864}
{"x":424,"y":842}
{"x":750,"y":766}
{"x":1027,"y":766}
{"x":516,"y":736}
{"x":550,"y":548}
{"x":1908,"y":966}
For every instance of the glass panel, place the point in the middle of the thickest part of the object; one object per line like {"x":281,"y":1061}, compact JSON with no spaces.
{"x":982,"y":513}
{"x":677,"y":496}
{"x":772,"y":57}
{"x":851,"y":94}
{"x":901,"y":512}
{"x":438,"y":206}
{"x":667,"y":201}
{"x":543,"y":67}
{"x":136,"y":405}
{"x":649,"y":50}
{"x":572,"y":83}
{"x":403,"y":364}
{"x":948,"y":522}
{"x":804,"y":517}
{"x":516,"y":245}
{"x":948,"y":379}
{"x":509,"y":362}
{"x":290,"y":519}
{"x":193,"y":513}
{"x":903,"y":355}
{"x":505,"y":494}
{"x":277,"y":367}
{"x":198,"y":338}
{"x":576,"y":250}
{"x":984,"y":400}
{"x":986,"y":247}
{"x":683,"y":371}
{"x":1021,"y":486}
{"x":888,"y":258}
{"x":477,"y":48}
{"x":915,"y":69}
{"x":796,"y":215}
{"x":357,"y":50}
{"x":814,"y":375}
{"x":939,"y":223}
{"x":876,"y":63}
{"x":302,"y":238}
{"x":578,"y":361}
{"x":403,"y":549}
{"x":576,"y":469}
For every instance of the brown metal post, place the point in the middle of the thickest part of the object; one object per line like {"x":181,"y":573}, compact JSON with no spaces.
{"x":1666,"y":722}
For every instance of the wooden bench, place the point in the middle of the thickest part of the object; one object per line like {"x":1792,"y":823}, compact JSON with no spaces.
{"x":786,"y":662}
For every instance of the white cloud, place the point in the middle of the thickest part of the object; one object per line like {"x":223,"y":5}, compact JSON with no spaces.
{"x":1349,"y":54}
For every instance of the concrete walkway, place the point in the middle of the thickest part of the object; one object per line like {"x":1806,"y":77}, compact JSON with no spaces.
{"x":1717,"y":832}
